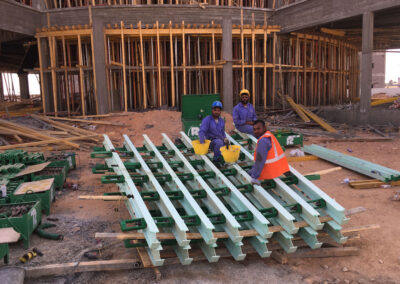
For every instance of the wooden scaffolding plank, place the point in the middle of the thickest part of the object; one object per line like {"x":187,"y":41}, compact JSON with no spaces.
{"x":317,"y":119}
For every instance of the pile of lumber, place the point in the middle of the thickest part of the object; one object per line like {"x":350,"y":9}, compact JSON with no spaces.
{"x":58,"y":136}
{"x":20,"y":108}
{"x":305,"y":114}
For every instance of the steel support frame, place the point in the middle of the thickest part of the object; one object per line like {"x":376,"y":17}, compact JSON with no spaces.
{"x":237,"y":200}
{"x":179,"y":228}
{"x":333,"y":209}
{"x":136,"y":206}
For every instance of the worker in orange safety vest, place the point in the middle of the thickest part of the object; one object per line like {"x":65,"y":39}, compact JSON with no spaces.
{"x":269,"y":159}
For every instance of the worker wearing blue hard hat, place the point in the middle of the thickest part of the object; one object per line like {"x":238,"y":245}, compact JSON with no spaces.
{"x":213,"y":128}
{"x":244,"y":113}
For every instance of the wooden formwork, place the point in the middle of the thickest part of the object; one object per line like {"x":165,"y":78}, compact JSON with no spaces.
{"x":318,"y":70}
{"x":153,"y":65}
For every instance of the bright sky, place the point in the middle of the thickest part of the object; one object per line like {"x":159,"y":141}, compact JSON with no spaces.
{"x":392,"y":73}
{"x":392,"y":65}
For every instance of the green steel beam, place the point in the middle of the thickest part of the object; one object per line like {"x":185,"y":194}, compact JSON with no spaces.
{"x":179,"y":227}
{"x":136,"y":206}
{"x":189,"y":203}
{"x":361,"y":166}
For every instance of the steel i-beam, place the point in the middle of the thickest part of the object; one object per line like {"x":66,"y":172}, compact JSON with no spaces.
{"x":179,"y":228}
{"x":136,"y":206}
{"x":231,"y":226}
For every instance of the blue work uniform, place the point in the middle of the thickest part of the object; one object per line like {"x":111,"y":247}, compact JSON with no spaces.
{"x":241,"y":114}
{"x":264,"y":145}
{"x":214,"y":131}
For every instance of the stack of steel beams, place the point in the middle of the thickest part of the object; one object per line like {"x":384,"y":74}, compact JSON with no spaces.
{"x":358,"y":165}
{"x":179,"y":199}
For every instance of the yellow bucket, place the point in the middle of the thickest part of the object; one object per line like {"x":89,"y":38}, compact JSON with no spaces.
{"x":201,"y":149}
{"x":231,"y":154}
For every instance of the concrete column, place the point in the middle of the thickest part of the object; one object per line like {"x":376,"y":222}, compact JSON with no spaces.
{"x":24,"y":86}
{"x":38,"y":4}
{"x":227,"y":73}
{"x":100,"y":63}
{"x":46,"y":80}
{"x":366,"y":62}
{"x":1,"y":88}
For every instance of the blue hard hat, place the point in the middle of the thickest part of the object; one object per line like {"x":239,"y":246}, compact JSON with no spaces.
{"x":216,"y":104}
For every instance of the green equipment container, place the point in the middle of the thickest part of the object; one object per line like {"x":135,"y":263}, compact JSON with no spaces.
{"x":194,"y":109}
{"x":288,"y":138}
{"x":68,"y":156}
{"x":25,"y":223}
{"x":46,"y":197}
{"x":4,"y":253}
{"x":57,"y":170}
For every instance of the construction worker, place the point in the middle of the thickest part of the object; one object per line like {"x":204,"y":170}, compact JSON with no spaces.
{"x":269,"y":159}
{"x":244,"y":114}
{"x":213,"y":128}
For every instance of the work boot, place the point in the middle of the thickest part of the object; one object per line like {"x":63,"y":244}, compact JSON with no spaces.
{"x":217,"y":162}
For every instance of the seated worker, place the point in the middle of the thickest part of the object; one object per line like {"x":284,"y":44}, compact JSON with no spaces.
{"x":269,"y":159}
{"x":213,"y":128}
{"x":244,"y":114}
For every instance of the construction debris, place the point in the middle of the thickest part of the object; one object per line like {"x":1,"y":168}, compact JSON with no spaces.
{"x":65,"y":139}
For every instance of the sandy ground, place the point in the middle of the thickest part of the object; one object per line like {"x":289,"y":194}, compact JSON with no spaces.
{"x":78,"y":220}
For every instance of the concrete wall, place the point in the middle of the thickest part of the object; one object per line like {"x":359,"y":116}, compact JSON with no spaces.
{"x":378,"y":69}
{"x":354,"y":117}
{"x":146,"y":14}
{"x":316,"y":12}
{"x":19,"y":18}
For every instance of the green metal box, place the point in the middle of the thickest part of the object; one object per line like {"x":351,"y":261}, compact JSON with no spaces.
{"x":46,"y":196}
{"x":4,"y":253}
{"x":194,"y":109}
{"x":25,"y":223}
{"x":57,"y":170}
{"x":288,"y":138}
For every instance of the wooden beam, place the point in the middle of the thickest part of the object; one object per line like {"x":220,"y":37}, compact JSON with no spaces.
{"x":171,"y":48}
{"x":82,"y":266}
{"x":324,"y":252}
{"x":89,"y":121}
{"x":124,"y":67}
{"x":384,"y":101}
{"x":159,"y":78}
{"x":297,"y":109}
{"x":318,"y":120}
{"x":213,"y":56}
{"x":142,"y":61}
{"x":66,"y":76}
{"x":50,"y":141}
{"x":52,"y":44}
{"x":94,"y":68}
{"x":64,"y":126}
{"x":302,"y":159}
{"x":197,"y":236}
{"x":43,"y":95}
{"x":333,"y":32}
{"x":20,"y":130}
{"x":253,"y":68}
{"x":242,"y":47}
{"x":184,"y":58}
{"x":82,"y":89}
{"x":327,"y":171}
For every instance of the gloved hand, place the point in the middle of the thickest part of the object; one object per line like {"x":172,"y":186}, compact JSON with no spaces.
{"x":255,"y":181}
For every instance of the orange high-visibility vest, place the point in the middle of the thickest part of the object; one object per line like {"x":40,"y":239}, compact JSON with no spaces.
{"x":276,"y":163}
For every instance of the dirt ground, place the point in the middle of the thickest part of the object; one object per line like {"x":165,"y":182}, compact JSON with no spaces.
{"x":79,"y":220}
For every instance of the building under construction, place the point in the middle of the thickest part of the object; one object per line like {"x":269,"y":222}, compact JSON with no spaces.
{"x":98,"y":56}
